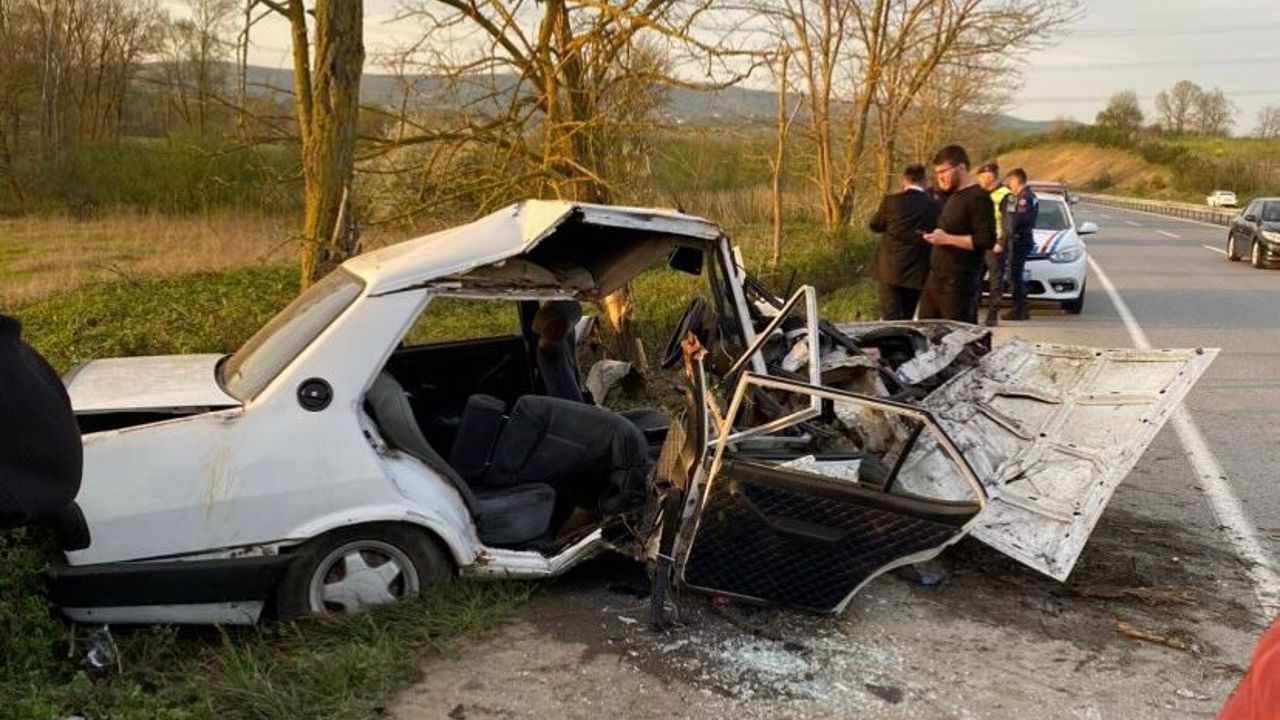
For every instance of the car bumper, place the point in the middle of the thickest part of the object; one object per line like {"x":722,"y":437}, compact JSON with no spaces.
{"x":1057,"y":282}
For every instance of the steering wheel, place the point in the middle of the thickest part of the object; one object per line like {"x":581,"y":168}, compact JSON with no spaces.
{"x":691,"y":320}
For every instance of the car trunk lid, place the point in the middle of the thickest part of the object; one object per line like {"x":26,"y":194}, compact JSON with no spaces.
{"x":162,"y":383}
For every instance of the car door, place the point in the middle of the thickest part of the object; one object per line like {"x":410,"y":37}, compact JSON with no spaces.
{"x":807,"y":510}
{"x":1052,"y":430}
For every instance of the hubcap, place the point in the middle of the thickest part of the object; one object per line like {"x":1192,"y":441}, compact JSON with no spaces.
{"x":362,"y":574}
{"x":1257,"y":253}
{"x":1231,"y":245}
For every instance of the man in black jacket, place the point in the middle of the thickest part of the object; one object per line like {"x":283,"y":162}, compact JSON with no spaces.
{"x":966,"y":231}
{"x":902,"y":257}
{"x":40,"y":450}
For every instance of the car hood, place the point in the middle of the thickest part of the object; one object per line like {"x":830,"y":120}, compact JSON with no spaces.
{"x":1047,"y":242}
{"x":142,"y":384}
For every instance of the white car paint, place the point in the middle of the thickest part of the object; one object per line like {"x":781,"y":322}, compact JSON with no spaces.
{"x":1043,"y":264}
{"x":147,"y":384}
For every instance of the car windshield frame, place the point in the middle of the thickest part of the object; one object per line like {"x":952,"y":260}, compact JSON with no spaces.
{"x":1065,"y":214}
{"x":248,"y":371}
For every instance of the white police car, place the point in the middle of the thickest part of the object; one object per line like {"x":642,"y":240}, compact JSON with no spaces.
{"x":1057,"y":266}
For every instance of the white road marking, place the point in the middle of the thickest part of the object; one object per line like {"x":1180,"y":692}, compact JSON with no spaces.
{"x":1168,"y":234}
{"x":1220,"y":251}
{"x":1132,"y":223}
{"x":1104,"y":215}
{"x":1171,"y":217}
{"x":1226,"y":506}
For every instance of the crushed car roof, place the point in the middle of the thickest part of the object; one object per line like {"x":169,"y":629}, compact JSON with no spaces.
{"x":511,"y":231}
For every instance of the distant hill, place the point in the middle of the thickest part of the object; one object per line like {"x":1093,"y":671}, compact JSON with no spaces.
{"x":683,"y":105}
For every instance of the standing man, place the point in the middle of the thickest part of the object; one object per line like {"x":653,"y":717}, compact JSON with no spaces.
{"x":966,"y":230}
{"x":995,"y":258}
{"x":902,"y":257}
{"x":1020,"y":211}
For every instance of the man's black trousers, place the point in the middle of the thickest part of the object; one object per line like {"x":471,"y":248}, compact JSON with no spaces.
{"x":898,"y":302}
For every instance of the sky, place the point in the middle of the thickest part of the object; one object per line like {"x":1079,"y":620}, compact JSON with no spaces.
{"x":1139,"y":45}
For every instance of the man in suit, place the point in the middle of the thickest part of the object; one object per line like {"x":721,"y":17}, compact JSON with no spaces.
{"x":902,"y":256}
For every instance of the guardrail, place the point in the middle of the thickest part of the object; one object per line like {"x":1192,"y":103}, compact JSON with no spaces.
{"x":1215,"y":216}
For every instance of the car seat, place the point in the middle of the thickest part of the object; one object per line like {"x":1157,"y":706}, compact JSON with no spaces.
{"x":503,"y":516}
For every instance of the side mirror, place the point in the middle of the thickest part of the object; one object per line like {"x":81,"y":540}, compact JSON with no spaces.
{"x":1087,"y":228}
{"x":1251,"y":218}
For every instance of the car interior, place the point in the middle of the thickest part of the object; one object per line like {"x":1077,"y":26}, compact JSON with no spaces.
{"x":496,"y":417}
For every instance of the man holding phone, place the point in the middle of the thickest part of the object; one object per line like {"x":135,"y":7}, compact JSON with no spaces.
{"x":966,"y":231}
{"x":901,"y":261}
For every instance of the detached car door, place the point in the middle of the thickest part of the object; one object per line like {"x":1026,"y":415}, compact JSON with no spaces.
{"x":806,"y":509}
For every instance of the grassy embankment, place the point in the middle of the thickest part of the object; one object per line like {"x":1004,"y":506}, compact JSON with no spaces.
{"x":120,"y":286}
{"x":1158,"y":167}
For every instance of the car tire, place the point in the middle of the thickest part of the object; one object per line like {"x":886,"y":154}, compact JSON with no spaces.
{"x":352,"y":569}
{"x":1075,"y":307}
{"x":1232,"y":254}
{"x":1256,"y":258}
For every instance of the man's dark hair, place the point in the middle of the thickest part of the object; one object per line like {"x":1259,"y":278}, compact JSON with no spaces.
{"x":952,"y":155}
{"x":914,"y":174}
{"x":1018,"y":173}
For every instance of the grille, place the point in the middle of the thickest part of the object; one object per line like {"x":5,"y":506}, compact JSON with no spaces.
{"x":1035,"y":287}
{"x":747,"y":544}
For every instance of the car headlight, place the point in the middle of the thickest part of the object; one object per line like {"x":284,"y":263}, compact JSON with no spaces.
{"x":1272,"y":235}
{"x":1067,"y":255}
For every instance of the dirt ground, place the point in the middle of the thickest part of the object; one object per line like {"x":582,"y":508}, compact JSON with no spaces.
{"x":995,"y":640}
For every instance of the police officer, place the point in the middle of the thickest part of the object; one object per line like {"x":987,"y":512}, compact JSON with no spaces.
{"x":1020,"y":210}
{"x":989,"y":179}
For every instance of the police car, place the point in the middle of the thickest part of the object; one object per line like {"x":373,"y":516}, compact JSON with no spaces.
{"x":1057,"y":266}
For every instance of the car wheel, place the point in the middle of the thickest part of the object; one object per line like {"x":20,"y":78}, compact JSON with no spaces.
{"x":1255,"y":255}
{"x":350,"y":570}
{"x":1232,"y":254}
{"x":1075,"y":307}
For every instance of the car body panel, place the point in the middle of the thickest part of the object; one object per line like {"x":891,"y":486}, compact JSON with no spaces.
{"x":1052,"y":430}
{"x":139,"y":384}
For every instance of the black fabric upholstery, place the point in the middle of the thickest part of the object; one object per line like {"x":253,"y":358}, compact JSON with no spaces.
{"x":482,"y":421}
{"x":503,"y":516}
{"x":571,"y":446}
{"x":41,"y":456}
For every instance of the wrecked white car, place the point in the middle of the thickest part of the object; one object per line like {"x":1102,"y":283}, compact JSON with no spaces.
{"x":333,"y":463}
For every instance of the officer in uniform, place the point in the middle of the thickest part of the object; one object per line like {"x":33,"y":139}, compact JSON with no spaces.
{"x":996,"y":259}
{"x":1020,"y":210}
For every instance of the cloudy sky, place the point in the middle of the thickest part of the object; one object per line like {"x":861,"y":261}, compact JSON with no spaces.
{"x":1140,"y":45}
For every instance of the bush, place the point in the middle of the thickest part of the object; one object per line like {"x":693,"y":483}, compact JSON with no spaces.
{"x":174,"y":175}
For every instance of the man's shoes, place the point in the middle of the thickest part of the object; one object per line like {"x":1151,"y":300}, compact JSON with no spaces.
{"x":992,"y":321}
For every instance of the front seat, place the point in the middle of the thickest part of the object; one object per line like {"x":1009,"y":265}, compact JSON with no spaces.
{"x":505,"y":516}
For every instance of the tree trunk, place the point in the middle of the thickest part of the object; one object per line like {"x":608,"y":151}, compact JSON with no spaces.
{"x":328,"y":109}
{"x":779,"y":161}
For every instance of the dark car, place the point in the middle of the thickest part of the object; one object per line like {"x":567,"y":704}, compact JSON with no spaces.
{"x":1256,"y":231}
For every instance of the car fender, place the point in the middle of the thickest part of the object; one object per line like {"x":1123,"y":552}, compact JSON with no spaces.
{"x":462,"y":548}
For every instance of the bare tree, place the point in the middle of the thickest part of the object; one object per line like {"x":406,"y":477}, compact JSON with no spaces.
{"x":1177,"y":106}
{"x":326,"y":87}
{"x":1268,"y":123}
{"x":1215,"y":114}
{"x":778,"y":164}
{"x":195,"y":51}
{"x":550,"y":96}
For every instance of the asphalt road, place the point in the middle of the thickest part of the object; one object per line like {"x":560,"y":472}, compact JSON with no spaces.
{"x":1176,"y":280}
{"x":1156,"y":621}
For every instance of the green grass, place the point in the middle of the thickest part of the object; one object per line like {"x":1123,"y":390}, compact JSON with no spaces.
{"x":344,"y":668}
